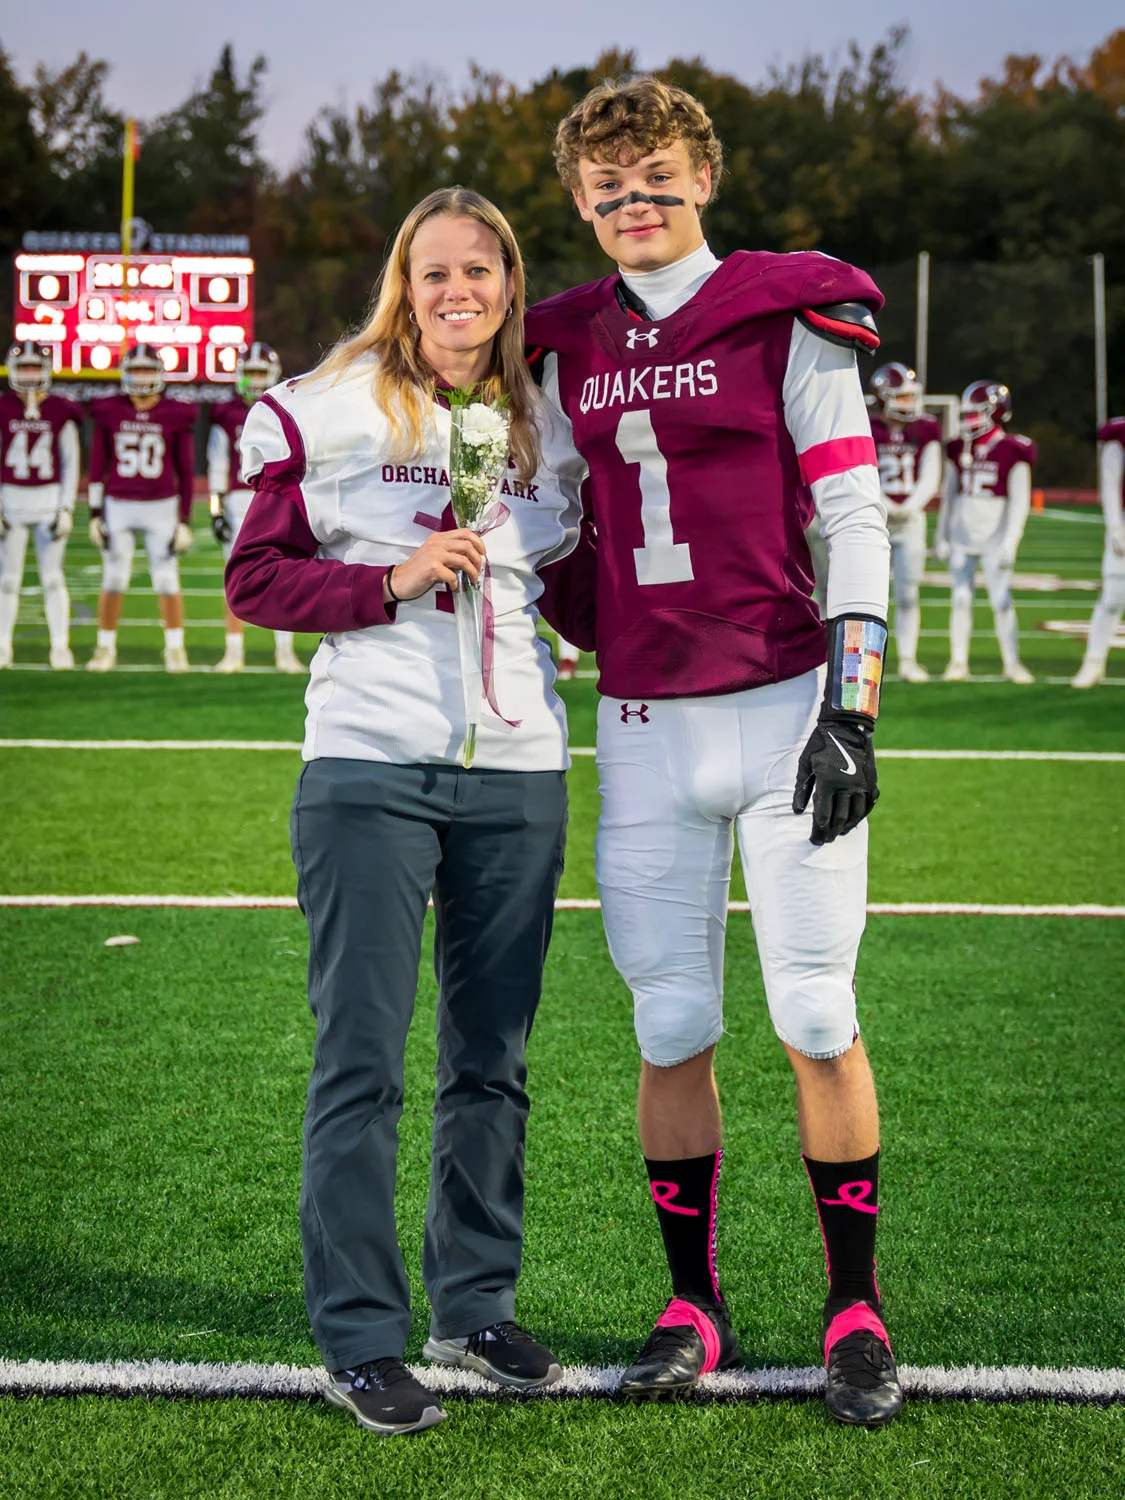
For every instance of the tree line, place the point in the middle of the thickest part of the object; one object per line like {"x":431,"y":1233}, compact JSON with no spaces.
{"x":1011,"y":191}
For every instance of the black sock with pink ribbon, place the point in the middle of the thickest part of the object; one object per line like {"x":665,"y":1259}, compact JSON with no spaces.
{"x":686,"y":1195}
{"x":847,"y":1204}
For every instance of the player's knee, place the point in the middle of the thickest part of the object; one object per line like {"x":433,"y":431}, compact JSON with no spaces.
{"x":814,"y":1012}
{"x":53,"y":581}
{"x":1113,"y":594}
{"x":906,"y":597}
{"x":9,"y":582}
{"x":166,"y":577}
{"x":676,"y":1018}
{"x":115,"y":575}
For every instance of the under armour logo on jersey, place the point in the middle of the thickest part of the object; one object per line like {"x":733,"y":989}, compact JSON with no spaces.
{"x":635,"y":336}
{"x":628,"y":713}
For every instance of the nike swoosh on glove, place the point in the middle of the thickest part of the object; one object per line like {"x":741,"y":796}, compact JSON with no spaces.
{"x":837,"y":770}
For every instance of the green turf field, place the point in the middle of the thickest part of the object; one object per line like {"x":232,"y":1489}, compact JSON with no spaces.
{"x":153,"y":1093}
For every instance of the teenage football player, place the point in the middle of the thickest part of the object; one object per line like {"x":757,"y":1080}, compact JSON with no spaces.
{"x":985,"y":504}
{"x":257,"y":369}
{"x":39,"y":457}
{"x":1111,"y":603}
{"x":715,"y":403}
{"x":141,"y":470}
{"x":909,"y":447}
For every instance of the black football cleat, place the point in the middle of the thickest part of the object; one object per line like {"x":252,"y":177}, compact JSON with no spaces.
{"x":690,"y":1339}
{"x":863,"y":1389}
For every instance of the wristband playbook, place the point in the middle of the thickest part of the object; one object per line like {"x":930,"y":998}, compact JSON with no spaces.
{"x":856,"y":650}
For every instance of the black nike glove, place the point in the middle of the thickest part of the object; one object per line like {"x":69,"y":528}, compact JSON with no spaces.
{"x":837,"y":766}
{"x":837,"y":769}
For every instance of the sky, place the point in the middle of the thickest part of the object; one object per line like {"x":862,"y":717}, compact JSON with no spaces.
{"x":328,"y":52}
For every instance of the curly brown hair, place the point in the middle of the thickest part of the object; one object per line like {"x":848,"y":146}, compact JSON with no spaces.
{"x":623,"y":122}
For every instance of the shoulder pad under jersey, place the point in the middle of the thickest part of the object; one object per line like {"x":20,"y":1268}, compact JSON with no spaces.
{"x":849,"y":324}
{"x":1026,"y":451}
{"x":536,"y":359}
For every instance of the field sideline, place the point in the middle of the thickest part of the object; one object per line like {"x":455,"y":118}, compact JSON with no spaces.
{"x":153,"y":1095}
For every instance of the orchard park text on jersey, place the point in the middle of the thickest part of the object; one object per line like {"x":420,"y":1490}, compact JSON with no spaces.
{"x":424,"y":474}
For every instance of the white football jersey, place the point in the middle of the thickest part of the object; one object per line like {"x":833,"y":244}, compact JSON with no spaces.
{"x":393,"y":692}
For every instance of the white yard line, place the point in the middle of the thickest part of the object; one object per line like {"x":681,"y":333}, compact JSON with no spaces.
{"x":289,"y":903}
{"x":996,"y":1383}
{"x":41,"y":666}
{"x":1109,"y":757}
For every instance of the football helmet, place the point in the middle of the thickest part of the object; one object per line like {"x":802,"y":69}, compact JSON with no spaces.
{"x":257,"y":369}
{"x":30,"y":367}
{"x":898,"y":391}
{"x":984,"y":405}
{"x":142,"y":371}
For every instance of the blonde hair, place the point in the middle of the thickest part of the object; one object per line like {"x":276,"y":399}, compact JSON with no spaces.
{"x":404,"y":381}
{"x":620,"y":123}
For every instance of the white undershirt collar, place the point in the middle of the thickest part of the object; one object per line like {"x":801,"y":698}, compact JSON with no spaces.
{"x":665,"y":291}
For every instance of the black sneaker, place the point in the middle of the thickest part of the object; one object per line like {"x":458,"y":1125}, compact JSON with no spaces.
{"x":689,"y":1340}
{"x":384,"y":1397}
{"x":503,"y":1352}
{"x":863,"y":1389}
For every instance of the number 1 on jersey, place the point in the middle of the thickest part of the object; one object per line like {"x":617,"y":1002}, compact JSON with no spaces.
{"x":660,"y":560}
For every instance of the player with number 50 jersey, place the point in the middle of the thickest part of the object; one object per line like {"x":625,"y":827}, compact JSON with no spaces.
{"x":716,"y":403}
{"x":142,"y":464}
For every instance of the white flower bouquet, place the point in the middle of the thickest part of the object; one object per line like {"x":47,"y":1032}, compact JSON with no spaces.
{"x":478,"y":461}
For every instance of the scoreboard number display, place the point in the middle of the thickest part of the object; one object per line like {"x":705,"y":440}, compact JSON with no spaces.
{"x":88,"y":307}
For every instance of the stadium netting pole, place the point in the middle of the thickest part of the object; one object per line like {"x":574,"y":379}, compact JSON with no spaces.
{"x":1101,"y":395}
{"x":922,"y":319}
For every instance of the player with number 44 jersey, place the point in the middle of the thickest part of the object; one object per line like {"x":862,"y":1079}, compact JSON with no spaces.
{"x":39,"y":459}
{"x":715,"y":404}
{"x":142,"y":470}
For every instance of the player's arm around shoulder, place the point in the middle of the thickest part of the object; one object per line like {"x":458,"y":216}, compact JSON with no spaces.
{"x":569,"y":572}
{"x":828,"y":422}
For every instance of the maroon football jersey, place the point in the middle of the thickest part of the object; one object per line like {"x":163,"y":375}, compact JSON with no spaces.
{"x":990,"y":462}
{"x":1113,"y":431}
{"x":29,"y":446}
{"x":231,"y":417}
{"x":899,"y":448}
{"x":704,"y":579}
{"x":144,"y":455}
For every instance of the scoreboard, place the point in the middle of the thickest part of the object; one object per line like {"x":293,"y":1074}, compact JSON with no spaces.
{"x":88,"y":307}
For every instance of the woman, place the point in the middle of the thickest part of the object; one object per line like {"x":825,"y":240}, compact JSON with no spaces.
{"x":350,"y":533}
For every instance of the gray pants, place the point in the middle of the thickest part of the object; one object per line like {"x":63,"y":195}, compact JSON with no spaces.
{"x":371,"y":842}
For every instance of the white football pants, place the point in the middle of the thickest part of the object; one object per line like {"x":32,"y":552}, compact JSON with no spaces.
{"x":908,"y":560}
{"x":155,"y":521}
{"x":1108,"y":610}
{"x":679,"y":779}
{"x":49,"y":554}
{"x":998,"y":581}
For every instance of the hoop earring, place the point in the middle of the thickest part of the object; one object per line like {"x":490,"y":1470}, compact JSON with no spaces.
{"x":412,"y":318}
{"x":508,"y":314}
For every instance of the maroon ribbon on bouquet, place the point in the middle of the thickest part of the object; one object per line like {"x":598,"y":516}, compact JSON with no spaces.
{"x":496,"y":514}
